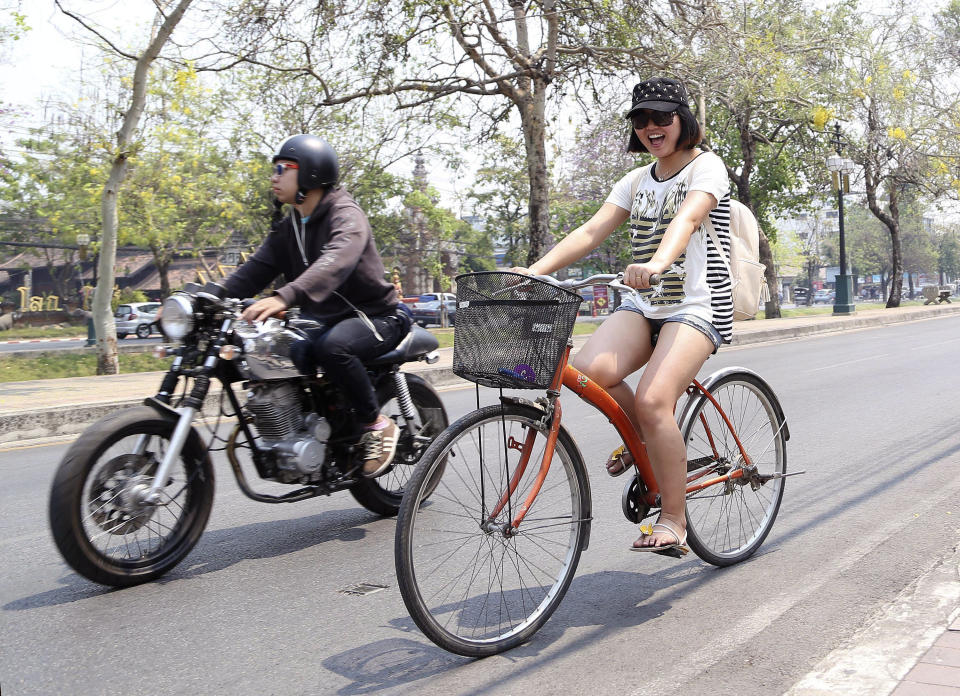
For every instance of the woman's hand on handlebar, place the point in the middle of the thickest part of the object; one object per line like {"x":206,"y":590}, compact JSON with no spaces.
{"x":264,"y":309}
{"x":637,"y":275}
{"x":522,"y":270}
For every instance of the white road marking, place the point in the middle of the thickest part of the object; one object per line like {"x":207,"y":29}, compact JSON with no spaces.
{"x":849,"y":362}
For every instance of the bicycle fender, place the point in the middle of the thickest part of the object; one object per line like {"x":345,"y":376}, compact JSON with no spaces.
{"x":716,"y":376}
{"x":520,"y":401}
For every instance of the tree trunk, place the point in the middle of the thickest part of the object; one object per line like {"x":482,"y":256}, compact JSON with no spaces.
{"x":891,"y":221}
{"x":107,"y":363}
{"x":748,"y":148}
{"x":163,"y":270}
{"x":533,"y":117}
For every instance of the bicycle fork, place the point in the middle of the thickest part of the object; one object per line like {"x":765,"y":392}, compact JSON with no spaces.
{"x":525,"y":448}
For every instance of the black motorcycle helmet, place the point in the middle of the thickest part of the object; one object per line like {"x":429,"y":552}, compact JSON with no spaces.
{"x":315,"y":157}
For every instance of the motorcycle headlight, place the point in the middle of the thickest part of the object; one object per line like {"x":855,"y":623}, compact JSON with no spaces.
{"x":176,"y":318}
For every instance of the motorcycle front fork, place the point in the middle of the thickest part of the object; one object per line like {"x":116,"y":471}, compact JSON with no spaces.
{"x":187,"y":412}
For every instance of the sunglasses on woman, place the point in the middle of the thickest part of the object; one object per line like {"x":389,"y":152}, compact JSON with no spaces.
{"x":660,"y":118}
{"x":279,"y":169}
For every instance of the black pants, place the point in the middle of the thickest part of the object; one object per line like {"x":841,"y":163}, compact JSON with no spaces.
{"x":340,"y":349}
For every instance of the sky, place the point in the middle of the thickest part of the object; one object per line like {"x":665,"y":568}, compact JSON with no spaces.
{"x":49,"y":58}
{"x":47,"y":63}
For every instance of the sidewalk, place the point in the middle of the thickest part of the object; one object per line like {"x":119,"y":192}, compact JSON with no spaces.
{"x":924,"y":622}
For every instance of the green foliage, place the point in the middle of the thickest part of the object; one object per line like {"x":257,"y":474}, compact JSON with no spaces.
{"x":500,"y":196}
{"x":445,"y":238}
{"x":126,"y":296}
{"x":764,"y":72}
{"x":187,"y":187}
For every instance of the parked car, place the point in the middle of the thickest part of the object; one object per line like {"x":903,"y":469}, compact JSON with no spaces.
{"x":138,"y":318}
{"x":427,"y":310}
{"x":823,"y":296}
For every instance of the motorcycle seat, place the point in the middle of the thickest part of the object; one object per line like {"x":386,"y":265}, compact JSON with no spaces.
{"x":415,"y":344}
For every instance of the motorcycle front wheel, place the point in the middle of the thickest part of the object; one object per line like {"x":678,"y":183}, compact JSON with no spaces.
{"x":99,"y":524}
{"x":384,"y":494}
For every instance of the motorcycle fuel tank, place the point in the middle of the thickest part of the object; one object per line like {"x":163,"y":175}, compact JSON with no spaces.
{"x":267,"y":349}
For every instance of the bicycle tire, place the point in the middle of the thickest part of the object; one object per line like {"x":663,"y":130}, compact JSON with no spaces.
{"x":465,"y":584}
{"x":727,"y":522}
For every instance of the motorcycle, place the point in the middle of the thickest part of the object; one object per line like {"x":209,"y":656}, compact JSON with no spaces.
{"x":134,"y":492}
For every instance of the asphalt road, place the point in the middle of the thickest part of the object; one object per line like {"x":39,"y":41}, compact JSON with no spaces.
{"x":256,"y":607}
{"x":41,"y":345}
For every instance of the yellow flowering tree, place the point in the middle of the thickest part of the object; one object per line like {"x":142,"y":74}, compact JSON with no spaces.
{"x":903,"y":107}
{"x":190,"y":185}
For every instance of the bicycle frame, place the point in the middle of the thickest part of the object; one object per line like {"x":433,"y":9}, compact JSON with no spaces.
{"x":591,"y":392}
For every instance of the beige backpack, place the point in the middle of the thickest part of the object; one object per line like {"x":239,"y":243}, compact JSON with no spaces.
{"x":746,"y":272}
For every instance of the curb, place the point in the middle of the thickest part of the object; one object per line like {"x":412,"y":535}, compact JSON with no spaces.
{"x":879,"y":656}
{"x":82,"y":350}
{"x":73,"y":419}
{"x":41,"y":340}
{"x":831,"y":324}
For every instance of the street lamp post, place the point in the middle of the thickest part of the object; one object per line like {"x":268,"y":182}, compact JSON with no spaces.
{"x":841,"y":168}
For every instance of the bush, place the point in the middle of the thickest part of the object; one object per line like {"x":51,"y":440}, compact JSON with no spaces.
{"x":126,"y":296}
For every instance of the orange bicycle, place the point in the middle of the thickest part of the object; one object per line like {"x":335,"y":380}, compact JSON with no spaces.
{"x":487,"y":559}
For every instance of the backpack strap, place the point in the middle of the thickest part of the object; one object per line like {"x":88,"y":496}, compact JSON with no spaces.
{"x":712,"y":233}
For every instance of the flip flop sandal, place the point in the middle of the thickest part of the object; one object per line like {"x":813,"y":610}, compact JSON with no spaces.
{"x":676,"y":550}
{"x":616,"y":460}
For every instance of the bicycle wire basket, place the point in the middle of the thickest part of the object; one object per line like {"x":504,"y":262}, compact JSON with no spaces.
{"x":511,"y":329}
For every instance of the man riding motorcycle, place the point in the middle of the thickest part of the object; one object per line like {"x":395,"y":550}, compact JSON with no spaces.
{"x":326,"y":253}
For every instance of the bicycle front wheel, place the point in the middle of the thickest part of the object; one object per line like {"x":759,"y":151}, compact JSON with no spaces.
{"x":727,"y":521}
{"x":473,"y":584}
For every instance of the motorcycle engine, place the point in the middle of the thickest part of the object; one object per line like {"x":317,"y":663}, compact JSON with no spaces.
{"x":298,"y":440}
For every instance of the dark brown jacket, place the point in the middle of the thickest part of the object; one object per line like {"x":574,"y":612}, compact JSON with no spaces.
{"x":341,"y":257}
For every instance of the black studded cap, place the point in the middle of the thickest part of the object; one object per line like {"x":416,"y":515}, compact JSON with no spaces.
{"x":659,"y":94}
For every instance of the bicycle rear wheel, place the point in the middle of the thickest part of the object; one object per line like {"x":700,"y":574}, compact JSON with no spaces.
{"x":727,"y":521}
{"x":473,"y":585}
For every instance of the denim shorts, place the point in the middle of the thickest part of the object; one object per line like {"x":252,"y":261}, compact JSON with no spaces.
{"x":700,"y":324}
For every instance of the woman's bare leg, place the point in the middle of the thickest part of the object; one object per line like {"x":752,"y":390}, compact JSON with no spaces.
{"x":618,"y":348}
{"x":679,"y":354}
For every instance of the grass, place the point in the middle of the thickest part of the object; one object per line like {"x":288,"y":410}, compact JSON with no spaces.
{"x":21,"y":368}
{"x":19,"y":333}
{"x":825,"y":309}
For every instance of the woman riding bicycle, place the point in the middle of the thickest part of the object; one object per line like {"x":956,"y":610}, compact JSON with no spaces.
{"x":673,"y":327}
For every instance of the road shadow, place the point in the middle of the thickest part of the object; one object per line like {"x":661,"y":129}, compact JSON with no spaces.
{"x":608,"y":601}
{"x":221,"y":548}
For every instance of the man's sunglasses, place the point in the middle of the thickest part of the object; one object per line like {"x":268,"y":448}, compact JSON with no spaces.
{"x":279,"y":169}
{"x":660,"y":118}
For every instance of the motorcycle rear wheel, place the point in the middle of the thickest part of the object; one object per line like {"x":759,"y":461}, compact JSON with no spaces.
{"x":384,"y":494}
{"x":99,"y":527}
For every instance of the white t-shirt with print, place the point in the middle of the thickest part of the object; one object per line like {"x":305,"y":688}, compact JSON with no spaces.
{"x":697,"y":282}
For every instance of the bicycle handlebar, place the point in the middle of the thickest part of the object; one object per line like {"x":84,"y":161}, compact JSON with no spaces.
{"x":613,"y":280}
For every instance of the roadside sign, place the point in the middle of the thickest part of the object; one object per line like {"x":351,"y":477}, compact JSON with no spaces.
{"x":600,"y":298}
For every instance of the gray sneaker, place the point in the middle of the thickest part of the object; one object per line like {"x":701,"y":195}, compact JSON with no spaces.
{"x":377,"y":448}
